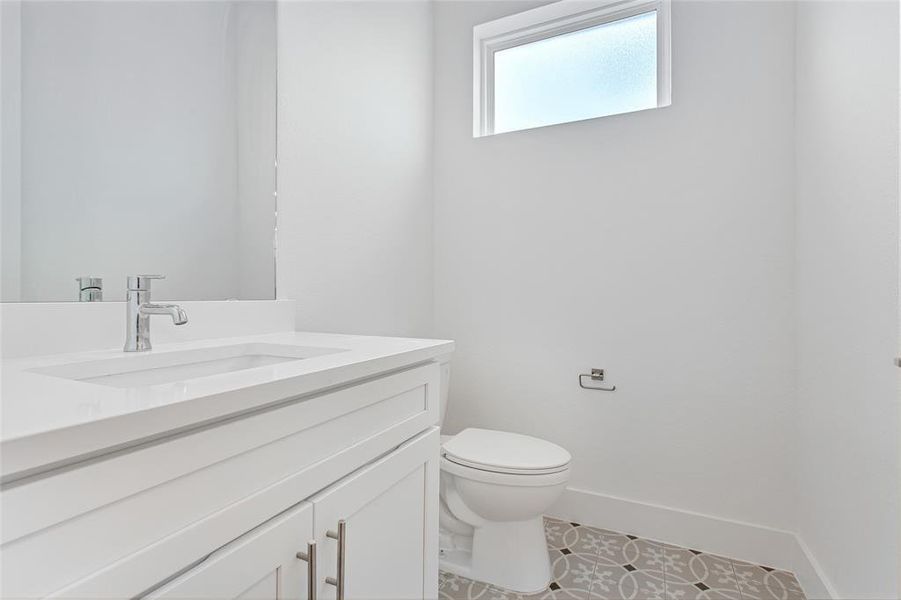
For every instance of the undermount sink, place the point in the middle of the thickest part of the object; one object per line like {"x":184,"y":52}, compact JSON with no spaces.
{"x":144,"y":370}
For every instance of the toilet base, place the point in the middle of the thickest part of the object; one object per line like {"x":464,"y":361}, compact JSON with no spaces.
{"x":509,"y":554}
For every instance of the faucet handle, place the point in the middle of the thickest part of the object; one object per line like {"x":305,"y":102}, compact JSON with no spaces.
{"x":141,"y":283}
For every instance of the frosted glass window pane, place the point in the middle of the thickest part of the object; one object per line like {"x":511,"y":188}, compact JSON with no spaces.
{"x":602,"y":70}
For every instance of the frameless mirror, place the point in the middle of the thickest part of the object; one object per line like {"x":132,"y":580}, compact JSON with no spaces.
{"x":138,"y":137}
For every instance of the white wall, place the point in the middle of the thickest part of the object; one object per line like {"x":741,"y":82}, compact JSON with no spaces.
{"x":657,"y":245}
{"x":355,"y":208}
{"x":848,"y":271}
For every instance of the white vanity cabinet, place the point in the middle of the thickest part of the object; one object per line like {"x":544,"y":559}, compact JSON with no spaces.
{"x":221,"y":511}
{"x":386,"y":528}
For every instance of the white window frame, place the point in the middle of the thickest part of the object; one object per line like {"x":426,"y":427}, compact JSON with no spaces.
{"x":552,"y":20}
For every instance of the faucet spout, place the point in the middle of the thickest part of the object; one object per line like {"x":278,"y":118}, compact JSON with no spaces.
{"x":139,"y":309}
{"x":179,"y":316}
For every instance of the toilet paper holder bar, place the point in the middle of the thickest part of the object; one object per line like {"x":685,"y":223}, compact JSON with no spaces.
{"x":596,"y":375}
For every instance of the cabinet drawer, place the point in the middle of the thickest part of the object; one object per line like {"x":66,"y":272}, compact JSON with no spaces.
{"x":130,"y":504}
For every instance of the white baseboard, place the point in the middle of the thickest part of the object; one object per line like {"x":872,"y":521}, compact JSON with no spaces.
{"x":743,"y":541}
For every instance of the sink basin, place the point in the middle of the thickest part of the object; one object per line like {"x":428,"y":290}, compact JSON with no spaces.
{"x":144,"y":370}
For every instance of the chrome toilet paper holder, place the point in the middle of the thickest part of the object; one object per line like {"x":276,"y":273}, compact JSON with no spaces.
{"x":596,"y":375}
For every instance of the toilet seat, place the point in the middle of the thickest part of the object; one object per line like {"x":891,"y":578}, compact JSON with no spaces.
{"x":507,"y":479}
{"x":505,"y":453}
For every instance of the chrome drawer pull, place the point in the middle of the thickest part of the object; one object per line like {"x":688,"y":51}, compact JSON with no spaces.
{"x":341,"y":536}
{"x":310,"y":557}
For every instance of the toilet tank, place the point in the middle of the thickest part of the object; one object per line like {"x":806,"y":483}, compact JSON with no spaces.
{"x":444,"y":364}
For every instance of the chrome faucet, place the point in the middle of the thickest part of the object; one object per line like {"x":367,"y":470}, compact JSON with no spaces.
{"x":139,"y":309}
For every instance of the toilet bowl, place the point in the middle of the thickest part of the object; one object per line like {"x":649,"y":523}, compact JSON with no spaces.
{"x":495,"y":487}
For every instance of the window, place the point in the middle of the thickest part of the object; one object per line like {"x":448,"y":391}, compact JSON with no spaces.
{"x":569,"y":61}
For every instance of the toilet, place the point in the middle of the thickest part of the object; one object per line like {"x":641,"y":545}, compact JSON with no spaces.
{"x":495,"y":487}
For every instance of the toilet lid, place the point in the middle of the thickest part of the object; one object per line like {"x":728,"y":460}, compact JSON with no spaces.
{"x":504,"y":452}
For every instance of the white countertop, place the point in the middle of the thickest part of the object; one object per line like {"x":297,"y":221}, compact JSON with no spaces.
{"x":49,"y":420}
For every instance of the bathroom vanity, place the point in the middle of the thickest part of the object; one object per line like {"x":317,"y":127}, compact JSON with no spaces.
{"x":285,"y":465}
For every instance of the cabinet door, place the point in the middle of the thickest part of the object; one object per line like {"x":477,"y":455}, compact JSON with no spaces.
{"x":390,"y":512}
{"x":260,"y":565}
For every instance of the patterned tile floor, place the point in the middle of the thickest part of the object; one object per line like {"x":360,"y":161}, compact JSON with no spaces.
{"x":596,"y":564}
